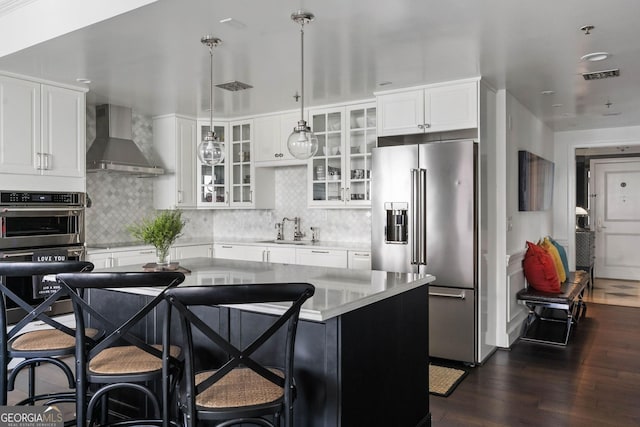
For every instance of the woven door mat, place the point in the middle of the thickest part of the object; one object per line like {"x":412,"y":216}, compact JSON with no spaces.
{"x":443,"y":380}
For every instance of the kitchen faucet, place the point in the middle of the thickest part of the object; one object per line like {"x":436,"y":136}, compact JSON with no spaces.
{"x":297,"y":234}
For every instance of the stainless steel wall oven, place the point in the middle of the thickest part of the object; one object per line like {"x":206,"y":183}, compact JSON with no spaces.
{"x":39,"y":226}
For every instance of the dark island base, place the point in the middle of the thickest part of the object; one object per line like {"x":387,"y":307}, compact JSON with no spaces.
{"x":367,"y":367}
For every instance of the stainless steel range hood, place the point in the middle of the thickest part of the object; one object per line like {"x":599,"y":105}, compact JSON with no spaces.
{"x":113,"y":150}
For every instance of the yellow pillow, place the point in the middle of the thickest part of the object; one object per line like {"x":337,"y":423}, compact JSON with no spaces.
{"x":553,"y":251}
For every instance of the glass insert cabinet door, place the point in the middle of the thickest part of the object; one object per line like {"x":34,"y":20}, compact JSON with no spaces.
{"x":361,"y":138}
{"x":327,"y":165}
{"x":241,"y":164}
{"x":213,"y":186}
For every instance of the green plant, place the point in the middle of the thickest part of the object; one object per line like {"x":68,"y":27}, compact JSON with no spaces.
{"x":160,"y":231}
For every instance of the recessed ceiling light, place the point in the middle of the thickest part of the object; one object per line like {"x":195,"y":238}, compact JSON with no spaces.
{"x":595,"y":56}
{"x":547,"y":92}
{"x":83,"y":80}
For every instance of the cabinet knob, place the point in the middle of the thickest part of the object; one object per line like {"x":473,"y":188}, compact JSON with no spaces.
{"x":426,"y":125}
{"x":420,"y":126}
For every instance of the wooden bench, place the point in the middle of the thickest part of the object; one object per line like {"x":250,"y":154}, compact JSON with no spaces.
{"x":551,"y":316}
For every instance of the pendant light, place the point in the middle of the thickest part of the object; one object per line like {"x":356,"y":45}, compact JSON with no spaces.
{"x":302,"y":143}
{"x":210,"y":150}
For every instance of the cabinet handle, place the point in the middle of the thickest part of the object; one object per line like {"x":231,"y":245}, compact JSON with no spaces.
{"x":342,"y":193}
{"x":461,"y":295}
{"x":146,"y":252}
{"x":362,"y":255}
{"x":276,"y":155}
{"x":250,"y":196}
{"x":426,"y":125}
{"x":281,"y":154}
{"x":226,"y":197}
{"x":420,"y":126}
{"x":227,"y":247}
{"x":348,"y":194}
{"x":179,"y":196}
{"x":319,"y":252}
{"x":39,"y":161}
{"x":46,"y":161}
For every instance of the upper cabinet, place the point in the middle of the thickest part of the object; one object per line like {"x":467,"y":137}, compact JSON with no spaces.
{"x":174,"y":139}
{"x":434,"y":108}
{"x":270,"y":140}
{"x":42,"y":129}
{"x":339,"y":175}
{"x":235,"y":182}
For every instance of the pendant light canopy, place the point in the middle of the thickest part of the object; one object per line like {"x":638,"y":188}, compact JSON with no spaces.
{"x":210,"y":150}
{"x":302,"y":143}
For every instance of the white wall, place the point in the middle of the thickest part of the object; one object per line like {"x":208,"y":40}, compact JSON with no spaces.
{"x":518,"y":129}
{"x":565,"y":144}
{"x":525,"y":132}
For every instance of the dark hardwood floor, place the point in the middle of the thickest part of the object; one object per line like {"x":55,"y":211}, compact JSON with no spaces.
{"x":594,"y":381}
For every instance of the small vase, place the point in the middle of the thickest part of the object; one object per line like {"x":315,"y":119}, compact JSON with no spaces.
{"x":163,"y":257}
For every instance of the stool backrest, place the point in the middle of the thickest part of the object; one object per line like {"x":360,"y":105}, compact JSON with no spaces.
{"x":115,"y":330}
{"x":10,"y":269}
{"x":188,"y":302}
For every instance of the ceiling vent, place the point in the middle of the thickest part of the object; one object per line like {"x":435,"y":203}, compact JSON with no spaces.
{"x":234,"y":86}
{"x":598,"y":75}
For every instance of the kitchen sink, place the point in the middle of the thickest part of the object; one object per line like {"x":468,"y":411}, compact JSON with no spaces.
{"x":286,"y":242}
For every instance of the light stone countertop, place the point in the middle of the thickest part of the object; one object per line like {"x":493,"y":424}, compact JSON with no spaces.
{"x":321,"y":244}
{"x":110,"y":247}
{"x":338,"y":290}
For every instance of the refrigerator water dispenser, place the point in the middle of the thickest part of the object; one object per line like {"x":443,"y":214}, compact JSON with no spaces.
{"x":396,"y":229}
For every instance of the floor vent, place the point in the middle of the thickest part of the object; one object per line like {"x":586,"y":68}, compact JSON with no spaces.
{"x":598,"y":75}
{"x":234,"y":86}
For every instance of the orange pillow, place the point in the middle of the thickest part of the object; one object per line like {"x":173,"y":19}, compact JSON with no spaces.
{"x":553,"y":251}
{"x":540,"y":270}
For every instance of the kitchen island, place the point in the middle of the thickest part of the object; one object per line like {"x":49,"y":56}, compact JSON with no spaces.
{"x":362,"y":346}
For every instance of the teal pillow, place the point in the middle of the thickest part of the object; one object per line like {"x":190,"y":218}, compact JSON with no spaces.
{"x":563,"y":255}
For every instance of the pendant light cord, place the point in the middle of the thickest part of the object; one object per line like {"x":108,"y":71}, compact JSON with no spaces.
{"x":211,"y":88}
{"x":302,"y":70}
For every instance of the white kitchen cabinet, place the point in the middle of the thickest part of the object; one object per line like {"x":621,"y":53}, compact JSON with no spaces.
{"x":433,"y":108}
{"x":191,"y":251}
{"x":279,"y":254}
{"x":339,"y":174}
{"x":270,"y":139}
{"x":235,"y":183}
{"x":137,"y":257}
{"x":63,"y":132}
{"x":42,"y":129}
{"x":212,"y":183}
{"x":322,"y":257}
{"x":19,"y":126}
{"x":174,"y":140}
{"x":100,"y":259}
{"x":359,"y":260}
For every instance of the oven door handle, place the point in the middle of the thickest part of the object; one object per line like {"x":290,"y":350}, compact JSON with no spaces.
{"x":39,"y":212}
{"x":16,"y":254}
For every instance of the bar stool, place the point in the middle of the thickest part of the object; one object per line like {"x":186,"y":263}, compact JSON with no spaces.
{"x":121,"y":360}
{"x":40,"y":346}
{"x":241,"y":387}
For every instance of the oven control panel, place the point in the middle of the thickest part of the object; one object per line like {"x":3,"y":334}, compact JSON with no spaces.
{"x":41,"y":198}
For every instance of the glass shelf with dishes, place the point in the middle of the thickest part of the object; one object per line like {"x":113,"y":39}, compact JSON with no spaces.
{"x":242,"y":167}
{"x":361,"y":138}
{"x":213,"y":187}
{"x":340,"y":172}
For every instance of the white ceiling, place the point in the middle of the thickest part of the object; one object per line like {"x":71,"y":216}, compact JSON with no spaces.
{"x":151,"y":58}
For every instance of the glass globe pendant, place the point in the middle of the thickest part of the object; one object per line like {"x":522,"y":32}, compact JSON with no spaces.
{"x":302,"y":143}
{"x":210,"y":149}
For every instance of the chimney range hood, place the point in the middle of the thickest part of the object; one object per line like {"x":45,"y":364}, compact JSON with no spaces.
{"x":113,"y":150}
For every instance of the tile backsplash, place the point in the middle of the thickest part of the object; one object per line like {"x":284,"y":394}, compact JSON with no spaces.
{"x":119,"y":200}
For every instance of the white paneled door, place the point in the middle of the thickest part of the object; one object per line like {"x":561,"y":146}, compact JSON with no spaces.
{"x":616,"y":217}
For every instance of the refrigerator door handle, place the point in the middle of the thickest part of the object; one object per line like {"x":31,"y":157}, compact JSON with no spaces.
{"x":415,"y":191}
{"x":422,"y":217}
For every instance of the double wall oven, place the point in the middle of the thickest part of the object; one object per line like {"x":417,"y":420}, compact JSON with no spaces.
{"x":41,"y":227}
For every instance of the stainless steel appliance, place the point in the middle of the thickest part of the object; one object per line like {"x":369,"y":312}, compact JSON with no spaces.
{"x":39,"y":226}
{"x":424,"y":219}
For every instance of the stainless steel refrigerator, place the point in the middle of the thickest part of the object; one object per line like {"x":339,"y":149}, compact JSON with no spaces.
{"x":424,"y":219}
